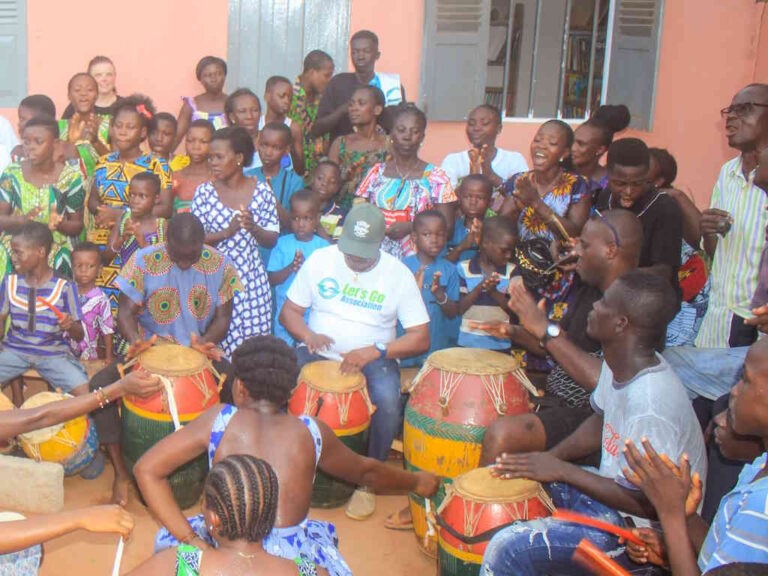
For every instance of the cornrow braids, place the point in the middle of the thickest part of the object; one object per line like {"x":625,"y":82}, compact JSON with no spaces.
{"x":242,"y":491}
{"x":267,"y":367}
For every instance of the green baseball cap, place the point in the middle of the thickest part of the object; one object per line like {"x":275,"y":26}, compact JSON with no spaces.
{"x":363,"y":231}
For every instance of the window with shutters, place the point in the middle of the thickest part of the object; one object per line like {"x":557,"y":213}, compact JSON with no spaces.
{"x":13,"y":52}
{"x":540,"y":58}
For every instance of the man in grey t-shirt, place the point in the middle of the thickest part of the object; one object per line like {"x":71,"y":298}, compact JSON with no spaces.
{"x":637,"y":396}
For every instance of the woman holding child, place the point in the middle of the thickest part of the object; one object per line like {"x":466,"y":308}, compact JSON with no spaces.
{"x":239,"y":216}
{"x":406,"y":185}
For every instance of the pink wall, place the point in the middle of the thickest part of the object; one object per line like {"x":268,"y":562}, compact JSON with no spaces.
{"x":156,"y":45}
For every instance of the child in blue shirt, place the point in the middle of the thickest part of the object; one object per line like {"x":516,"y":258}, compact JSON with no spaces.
{"x":326,"y":183}
{"x":274,"y":142}
{"x":292,"y":249}
{"x":483,"y":283}
{"x":438,"y":280}
{"x":474,"y":194}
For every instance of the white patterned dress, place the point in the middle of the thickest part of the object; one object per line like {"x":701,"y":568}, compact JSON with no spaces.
{"x":252,"y":308}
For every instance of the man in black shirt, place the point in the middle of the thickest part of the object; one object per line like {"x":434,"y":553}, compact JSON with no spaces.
{"x":608,"y":247}
{"x":332,"y":113}
{"x":629,"y":188}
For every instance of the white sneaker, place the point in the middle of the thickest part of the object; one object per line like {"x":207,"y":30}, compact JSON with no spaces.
{"x":362,"y":505}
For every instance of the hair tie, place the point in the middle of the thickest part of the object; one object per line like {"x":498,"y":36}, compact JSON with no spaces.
{"x":141,"y":109}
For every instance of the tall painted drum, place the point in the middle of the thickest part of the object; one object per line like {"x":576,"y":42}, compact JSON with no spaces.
{"x":6,"y":446}
{"x":342,"y":402}
{"x":456,"y":394}
{"x":189,"y":378}
{"x":476,"y":506}
{"x":72,"y":444}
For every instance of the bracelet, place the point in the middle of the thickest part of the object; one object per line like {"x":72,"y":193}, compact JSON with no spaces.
{"x":98,"y":398}
{"x":443,"y":301}
{"x":103,"y":395}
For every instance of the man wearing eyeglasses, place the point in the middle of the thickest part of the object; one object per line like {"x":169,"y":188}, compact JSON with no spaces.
{"x":733,"y":233}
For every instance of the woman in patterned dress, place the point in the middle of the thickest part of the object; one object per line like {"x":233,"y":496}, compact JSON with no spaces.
{"x":43,"y":189}
{"x":211,"y":72}
{"x":240,"y":504}
{"x":110,"y":189}
{"x":406,"y":185}
{"x":239,"y":216}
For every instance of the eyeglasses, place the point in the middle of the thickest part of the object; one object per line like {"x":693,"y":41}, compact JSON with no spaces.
{"x":742,"y":109}
{"x":611,"y":227}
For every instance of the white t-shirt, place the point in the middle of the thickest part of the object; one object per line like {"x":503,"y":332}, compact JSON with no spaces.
{"x":505,"y":164}
{"x":356,"y":309}
{"x":653,"y":405}
{"x":8,"y":137}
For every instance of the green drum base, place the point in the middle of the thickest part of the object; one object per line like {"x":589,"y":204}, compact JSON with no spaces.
{"x":448,"y":565}
{"x":140,"y":434}
{"x":329,"y":492}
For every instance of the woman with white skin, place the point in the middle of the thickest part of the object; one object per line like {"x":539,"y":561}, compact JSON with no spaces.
{"x":103,"y":70}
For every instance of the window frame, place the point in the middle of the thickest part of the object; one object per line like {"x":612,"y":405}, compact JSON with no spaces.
{"x":18,"y":86}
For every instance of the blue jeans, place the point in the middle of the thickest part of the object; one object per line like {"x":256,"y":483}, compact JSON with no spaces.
{"x":707,"y":372}
{"x":546,"y":546}
{"x":60,"y":372}
{"x":383,"y":379}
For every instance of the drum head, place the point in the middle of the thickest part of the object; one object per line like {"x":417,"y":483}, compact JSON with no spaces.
{"x":324,"y":375}
{"x":480,"y":486}
{"x":169,"y":359}
{"x":43,"y":434}
{"x":472,"y":361}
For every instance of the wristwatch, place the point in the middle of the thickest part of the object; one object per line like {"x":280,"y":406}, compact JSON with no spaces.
{"x":382,"y":348}
{"x":553,"y":331}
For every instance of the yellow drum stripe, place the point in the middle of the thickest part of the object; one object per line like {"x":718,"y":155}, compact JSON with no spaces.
{"x":439,"y":455}
{"x":352,"y":431}
{"x":460,"y":554}
{"x":155,"y":416}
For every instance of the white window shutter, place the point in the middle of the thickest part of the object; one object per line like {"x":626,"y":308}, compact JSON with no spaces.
{"x":634,"y":55}
{"x":454,"y":57}
{"x":13,"y":52}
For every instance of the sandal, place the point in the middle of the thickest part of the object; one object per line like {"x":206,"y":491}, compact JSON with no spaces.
{"x":395,"y":521}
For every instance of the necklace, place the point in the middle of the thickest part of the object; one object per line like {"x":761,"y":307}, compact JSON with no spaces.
{"x":247,"y":556}
{"x":644,"y":210}
{"x":407,"y":170}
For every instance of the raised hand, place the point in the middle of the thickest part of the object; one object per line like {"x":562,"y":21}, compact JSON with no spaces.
{"x":318,"y":342}
{"x":539,"y":466}
{"x":140,"y":346}
{"x":298,"y":260}
{"x":531,"y":315}
{"x":653,"y":550}
{"x":525,"y":192}
{"x":140,"y":384}
{"x":208,"y":348}
{"x":715,"y":221}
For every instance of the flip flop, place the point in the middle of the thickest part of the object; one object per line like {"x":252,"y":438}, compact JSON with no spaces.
{"x":393,"y":522}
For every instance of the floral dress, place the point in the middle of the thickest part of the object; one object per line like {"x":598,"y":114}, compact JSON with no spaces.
{"x":354,"y":166}
{"x":402,"y":199}
{"x":217,"y":119}
{"x":252,"y":309}
{"x":67,"y":196}
{"x":304,"y":110}
{"x":188,"y":559}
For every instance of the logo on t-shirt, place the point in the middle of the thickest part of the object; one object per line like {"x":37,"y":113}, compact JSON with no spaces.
{"x":611,"y":440}
{"x":362,"y":228}
{"x":329,"y":288}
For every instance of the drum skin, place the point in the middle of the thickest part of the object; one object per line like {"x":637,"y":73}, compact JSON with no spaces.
{"x":455,"y":396}
{"x":341,"y":401}
{"x":477,"y":504}
{"x":72,"y":444}
{"x":146,"y":421}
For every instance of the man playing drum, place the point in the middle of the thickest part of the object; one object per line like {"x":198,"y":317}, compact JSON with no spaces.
{"x":182,"y":291}
{"x":356,"y":294}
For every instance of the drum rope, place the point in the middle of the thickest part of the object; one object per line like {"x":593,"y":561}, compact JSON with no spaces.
{"x":527,"y":384}
{"x":171,"y":399}
{"x":345,"y":400}
{"x":199,"y":381}
{"x":472,"y":518}
{"x":422,"y":373}
{"x":368,"y":403}
{"x":64,"y":437}
{"x":494,"y":385}
{"x":546,"y":500}
{"x":310,"y":402}
{"x":449,"y":381}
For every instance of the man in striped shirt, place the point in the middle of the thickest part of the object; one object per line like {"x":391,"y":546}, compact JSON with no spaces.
{"x":42,"y":308}
{"x":739,"y":531}
{"x":733,"y":231}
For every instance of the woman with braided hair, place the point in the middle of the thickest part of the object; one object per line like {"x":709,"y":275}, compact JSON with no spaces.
{"x":239,"y":506}
{"x":265,"y":375}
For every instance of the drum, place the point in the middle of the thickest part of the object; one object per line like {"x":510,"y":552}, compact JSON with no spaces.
{"x":6,"y":446}
{"x":24,"y":562}
{"x":457,"y":393}
{"x":146,"y":421}
{"x":72,"y":444}
{"x":342,"y":402}
{"x":476,"y":506}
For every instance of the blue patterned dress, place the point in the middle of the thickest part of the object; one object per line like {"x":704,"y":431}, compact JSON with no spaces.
{"x":252,"y":310}
{"x":313,"y":540}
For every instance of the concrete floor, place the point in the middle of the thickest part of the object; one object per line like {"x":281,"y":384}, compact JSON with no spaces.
{"x":367,"y":546}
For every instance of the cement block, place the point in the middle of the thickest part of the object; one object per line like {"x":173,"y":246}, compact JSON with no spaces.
{"x":29,"y":486}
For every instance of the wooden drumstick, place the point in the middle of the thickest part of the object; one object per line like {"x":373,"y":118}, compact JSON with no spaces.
{"x":118,"y":557}
{"x":596,"y":561}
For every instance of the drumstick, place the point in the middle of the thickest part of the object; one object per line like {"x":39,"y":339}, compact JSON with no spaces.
{"x":51,"y":307}
{"x":596,"y":561}
{"x":172,"y":408}
{"x":118,"y":557}
{"x":575,"y":518}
